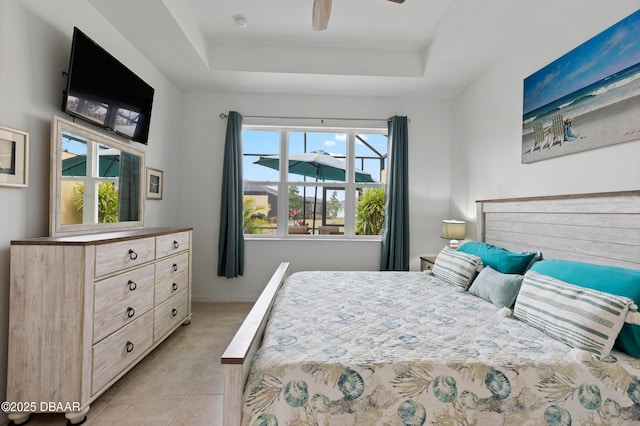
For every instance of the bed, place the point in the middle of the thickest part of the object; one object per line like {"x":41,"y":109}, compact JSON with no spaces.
{"x":343,"y":347}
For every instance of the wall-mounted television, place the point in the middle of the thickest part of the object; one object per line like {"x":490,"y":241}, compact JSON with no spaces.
{"x":102,"y":91}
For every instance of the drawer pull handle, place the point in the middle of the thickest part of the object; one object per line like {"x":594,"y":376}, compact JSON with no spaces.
{"x":130,"y":312}
{"x":174,"y":287}
{"x":176,"y":245}
{"x":132,"y":285}
{"x":174,"y":312}
{"x":133,"y":255}
{"x":175,"y":267}
{"x":129,"y":346}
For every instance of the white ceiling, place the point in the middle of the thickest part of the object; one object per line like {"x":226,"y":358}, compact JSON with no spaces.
{"x":370,"y":48}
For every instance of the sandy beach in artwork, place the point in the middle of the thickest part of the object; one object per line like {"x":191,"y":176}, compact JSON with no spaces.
{"x":612,"y":124}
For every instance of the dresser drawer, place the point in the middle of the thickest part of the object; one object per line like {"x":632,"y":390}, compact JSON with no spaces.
{"x":170,"y":314}
{"x":114,"y":257}
{"x":171,"y":243}
{"x":172,"y":276}
{"x":122,"y":299}
{"x":112,"y":355}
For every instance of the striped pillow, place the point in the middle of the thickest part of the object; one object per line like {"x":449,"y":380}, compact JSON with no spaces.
{"x":455,"y":267}
{"x":583,"y":318}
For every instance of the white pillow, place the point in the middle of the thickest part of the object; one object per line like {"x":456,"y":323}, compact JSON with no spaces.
{"x":456,"y":268}
{"x":583,"y":318}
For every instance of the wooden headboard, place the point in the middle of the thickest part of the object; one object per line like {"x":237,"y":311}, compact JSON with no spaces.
{"x":601,"y":228}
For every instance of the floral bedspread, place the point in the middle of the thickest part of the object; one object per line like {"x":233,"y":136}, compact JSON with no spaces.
{"x":403,"y":348}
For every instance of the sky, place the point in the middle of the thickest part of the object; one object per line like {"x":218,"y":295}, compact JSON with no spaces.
{"x":268,"y":143}
{"x":609,"y":52}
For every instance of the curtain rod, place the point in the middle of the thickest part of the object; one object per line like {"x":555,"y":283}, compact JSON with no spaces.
{"x":273,"y":117}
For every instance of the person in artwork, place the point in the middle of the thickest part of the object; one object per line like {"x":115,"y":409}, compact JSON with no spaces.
{"x":568,"y":133}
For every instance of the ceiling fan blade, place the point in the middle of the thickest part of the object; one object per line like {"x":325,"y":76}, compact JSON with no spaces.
{"x":321,"y":14}
{"x":397,"y":1}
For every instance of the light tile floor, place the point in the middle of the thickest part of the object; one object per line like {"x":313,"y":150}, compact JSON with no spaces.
{"x":179,"y":383}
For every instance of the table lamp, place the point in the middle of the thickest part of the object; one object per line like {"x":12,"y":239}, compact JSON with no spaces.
{"x":453,"y":230}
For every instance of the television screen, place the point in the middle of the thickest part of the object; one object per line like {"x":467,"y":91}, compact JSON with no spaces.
{"x":102,"y":91}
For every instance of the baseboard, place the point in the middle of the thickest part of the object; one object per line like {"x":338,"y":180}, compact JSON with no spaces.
{"x":208,"y":299}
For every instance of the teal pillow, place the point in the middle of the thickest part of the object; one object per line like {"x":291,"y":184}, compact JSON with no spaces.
{"x":502,"y":260}
{"x":609,"y":279}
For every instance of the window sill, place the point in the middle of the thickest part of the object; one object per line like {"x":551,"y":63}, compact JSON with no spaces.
{"x":314,"y":238}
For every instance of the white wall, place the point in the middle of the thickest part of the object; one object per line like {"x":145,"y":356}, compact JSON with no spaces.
{"x":487,"y":132}
{"x":35,"y":42}
{"x":203,"y":147}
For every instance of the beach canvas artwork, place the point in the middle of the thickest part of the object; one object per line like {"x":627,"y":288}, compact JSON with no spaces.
{"x":589,"y":98}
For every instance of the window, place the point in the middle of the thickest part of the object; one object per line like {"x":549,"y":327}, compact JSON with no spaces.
{"x":89,"y":181}
{"x":334,"y":185}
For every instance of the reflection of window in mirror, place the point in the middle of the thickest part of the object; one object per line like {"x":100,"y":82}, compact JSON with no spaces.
{"x":97,"y":181}
{"x":90,"y":181}
{"x":74,"y":154}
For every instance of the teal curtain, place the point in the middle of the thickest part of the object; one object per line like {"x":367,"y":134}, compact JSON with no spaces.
{"x":395,"y":237}
{"x":231,"y":243}
{"x":129,"y":188}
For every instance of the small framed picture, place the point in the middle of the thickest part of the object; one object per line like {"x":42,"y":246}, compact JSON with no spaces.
{"x":14,"y":157}
{"x":154,"y":184}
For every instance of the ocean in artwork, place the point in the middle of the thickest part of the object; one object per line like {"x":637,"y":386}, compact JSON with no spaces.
{"x":608,"y":91}
{"x":586,"y":99}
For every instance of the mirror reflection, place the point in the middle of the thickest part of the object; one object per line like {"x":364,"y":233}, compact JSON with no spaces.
{"x":98,"y":181}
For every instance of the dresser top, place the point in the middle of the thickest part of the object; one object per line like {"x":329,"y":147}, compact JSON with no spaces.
{"x":100,"y":238}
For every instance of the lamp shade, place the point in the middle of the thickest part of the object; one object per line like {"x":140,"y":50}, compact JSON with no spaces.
{"x":453,"y":229}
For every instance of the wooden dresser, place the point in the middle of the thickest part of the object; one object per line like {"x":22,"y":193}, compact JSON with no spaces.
{"x":85,"y":309}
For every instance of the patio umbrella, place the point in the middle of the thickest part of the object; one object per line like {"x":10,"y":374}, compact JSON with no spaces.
{"x":316,"y":164}
{"x":109,"y":165}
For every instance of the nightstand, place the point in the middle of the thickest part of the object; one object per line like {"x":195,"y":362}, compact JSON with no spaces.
{"x":427,"y":262}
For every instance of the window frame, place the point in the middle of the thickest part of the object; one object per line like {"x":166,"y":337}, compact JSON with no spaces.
{"x":349,"y":186}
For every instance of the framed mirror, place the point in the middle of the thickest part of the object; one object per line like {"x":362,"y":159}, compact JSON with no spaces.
{"x":97,"y":182}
